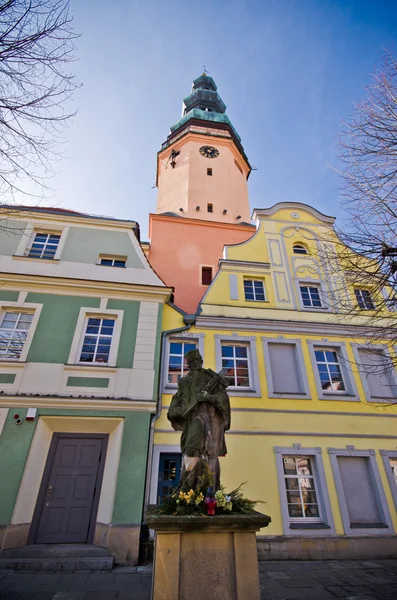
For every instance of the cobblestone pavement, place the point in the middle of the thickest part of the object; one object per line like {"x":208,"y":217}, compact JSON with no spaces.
{"x":349,"y":580}
{"x":280,"y":580}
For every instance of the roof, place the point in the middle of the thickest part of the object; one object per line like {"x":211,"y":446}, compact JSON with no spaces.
{"x":62,"y":211}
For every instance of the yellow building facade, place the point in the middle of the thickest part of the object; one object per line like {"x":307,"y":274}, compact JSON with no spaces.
{"x":313,"y":432}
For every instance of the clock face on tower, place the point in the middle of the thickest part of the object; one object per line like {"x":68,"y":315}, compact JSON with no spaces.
{"x":209,"y":151}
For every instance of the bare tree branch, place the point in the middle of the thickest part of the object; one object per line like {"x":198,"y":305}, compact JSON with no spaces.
{"x":36,"y":47}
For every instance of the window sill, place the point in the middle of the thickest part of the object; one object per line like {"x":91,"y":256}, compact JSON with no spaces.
{"x":309,"y":526}
{"x":11,"y":362}
{"x":368,"y":526}
{"x":382,"y":400}
{"x":342,"y":398}
{"x":240,"y":392}
{"x":35,"y":259}
{"x":89,"y":367}
{"x":111,"y":266}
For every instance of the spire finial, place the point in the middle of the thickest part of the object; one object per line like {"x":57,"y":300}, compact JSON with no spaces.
{"x":205,"y":72}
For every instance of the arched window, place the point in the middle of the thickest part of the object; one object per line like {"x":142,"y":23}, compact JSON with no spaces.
{"x":300,"y":249}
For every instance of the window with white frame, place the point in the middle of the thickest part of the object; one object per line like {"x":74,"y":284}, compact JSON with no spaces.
{"x":299,"y":249}
{"x":300,"y":489}
{"x":284,"y":367}
{"x":97,"y":340}
{"x":44,"y":245}
{"x":14,"y":329}
{"x":378,"y":373}
{"x":177,"y":365}
{"x":116,"y":261}
{"x":364,"y":299}
{"x":389,"y":458}
{"x":393,"y":467}
{"x":305,"y":503}
{"x":360,"y":492}
{"x":254,"y":289}
{"x":235,"y":359}
{"x":329,"y":370}
{"x":311,"y":296}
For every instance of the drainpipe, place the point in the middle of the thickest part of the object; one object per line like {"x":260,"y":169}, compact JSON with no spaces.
{"x":189,"y":320}
{"x":145,"y":533}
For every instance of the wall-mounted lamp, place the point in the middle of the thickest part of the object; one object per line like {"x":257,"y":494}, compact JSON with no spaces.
{"x":197,"y":208}
{"x":181,"y":210}
{"x":238,"y":217}
{"x":224,"y":211}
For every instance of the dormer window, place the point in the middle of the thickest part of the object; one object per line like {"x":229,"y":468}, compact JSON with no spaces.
{"x":112,"y":261}
{"x":300,"y":249}
{"x":44,"y":245}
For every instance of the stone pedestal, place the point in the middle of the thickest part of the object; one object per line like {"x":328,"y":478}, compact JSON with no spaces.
{"x":199,"y":557}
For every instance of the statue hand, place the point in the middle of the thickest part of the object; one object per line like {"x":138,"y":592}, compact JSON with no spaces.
{"x":205,"y":397}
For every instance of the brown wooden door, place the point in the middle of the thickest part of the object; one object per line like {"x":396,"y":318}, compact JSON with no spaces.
{"x":69,"y":488}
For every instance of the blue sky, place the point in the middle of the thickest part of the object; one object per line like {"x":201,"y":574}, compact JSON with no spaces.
{"x":288,"y":71}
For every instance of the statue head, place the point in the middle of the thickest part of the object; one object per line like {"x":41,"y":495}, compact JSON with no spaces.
{"x":194,"y":360}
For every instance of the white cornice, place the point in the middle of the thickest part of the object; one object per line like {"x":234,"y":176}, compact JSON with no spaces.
{"x":60,"y":218}
{"x":85,"y":287}
{"x":282,"y":326}
{"x":99,"y":404}
{"x":260,"y":213}
{"x":242,"y":264}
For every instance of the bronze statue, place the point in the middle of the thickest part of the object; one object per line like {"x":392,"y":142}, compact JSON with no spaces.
{"x":201,"y":410}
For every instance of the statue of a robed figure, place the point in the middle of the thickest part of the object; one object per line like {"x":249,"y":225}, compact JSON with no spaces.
{"x":201,"y":410}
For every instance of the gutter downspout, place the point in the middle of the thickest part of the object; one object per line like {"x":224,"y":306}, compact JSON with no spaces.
{"x":159,"y":405}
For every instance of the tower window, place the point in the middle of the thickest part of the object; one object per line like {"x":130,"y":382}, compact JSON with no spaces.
{"x":210,"y":208}
{"x":206,"y":275}
{"x":209,"y":172}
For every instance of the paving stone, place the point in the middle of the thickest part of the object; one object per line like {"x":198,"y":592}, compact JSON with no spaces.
{"x":373,"y":579}
{"x":357,"y":591}
{"x":101,"y":577}
{"x":290,"y":594}
{"x":69,"y":596}
{"x":125,"y":578}
{"x":355,"y":581}
{"x":338,"y":591}
{"x":295,"y":583}
{"x":130,"y":595}
{"x":113,"y":586}
{"x":389,"y":562}
{"x":85,"y":586}
{"x":384,"y":588}
{"x":100,"y":595}
{"x":123,"y":570}
{"x":279,"y":575}
{"x":76,"y":577}
{"x":273,"y":565}
{"x":361,"y":598}
{"x":45,"y":578}
{"x":267,"y":594}
{"x":332,"y":581}
{"x":318,"y":593}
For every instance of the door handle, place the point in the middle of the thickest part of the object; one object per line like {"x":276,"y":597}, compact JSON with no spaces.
{"x":50,"y":489}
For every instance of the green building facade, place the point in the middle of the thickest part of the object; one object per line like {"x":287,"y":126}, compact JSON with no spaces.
{"x":80,"y":329}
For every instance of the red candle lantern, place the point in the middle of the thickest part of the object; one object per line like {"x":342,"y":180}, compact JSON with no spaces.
{"x":210,"y":502}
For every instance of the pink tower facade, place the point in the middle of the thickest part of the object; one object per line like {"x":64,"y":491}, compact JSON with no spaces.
{"x":202,"y":203}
